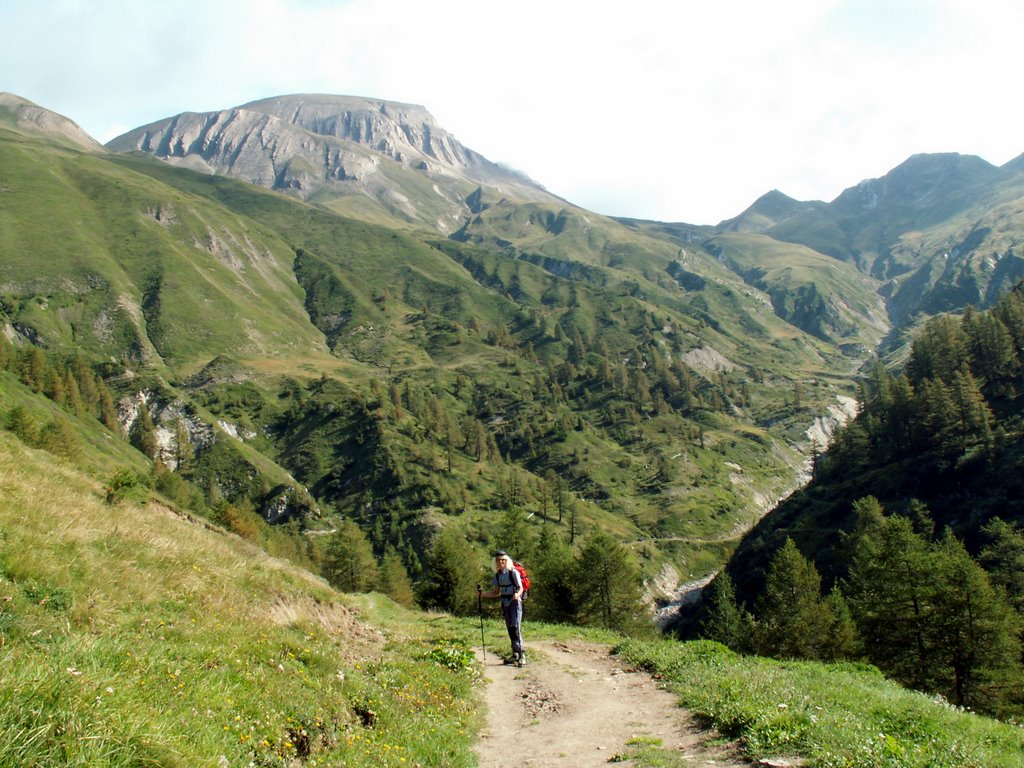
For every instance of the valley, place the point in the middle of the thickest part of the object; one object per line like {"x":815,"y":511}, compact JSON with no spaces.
{"x":304,"y":363}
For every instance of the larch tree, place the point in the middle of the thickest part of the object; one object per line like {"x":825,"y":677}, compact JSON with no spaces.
{"x":348,"y":563}
{"x":975,"y":633}
{"x":607,"y":583}
{"x":726,"y":621}
{"x":792,"y":620}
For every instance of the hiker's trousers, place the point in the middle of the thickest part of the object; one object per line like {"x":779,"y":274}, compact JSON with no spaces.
{"x":512,"y":610}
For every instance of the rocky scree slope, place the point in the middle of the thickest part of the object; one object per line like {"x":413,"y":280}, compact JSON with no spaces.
{"x":361,"y":156}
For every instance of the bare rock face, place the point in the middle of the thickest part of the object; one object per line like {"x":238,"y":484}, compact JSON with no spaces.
{"x":336,"y":147}
{"x":32,"y":118}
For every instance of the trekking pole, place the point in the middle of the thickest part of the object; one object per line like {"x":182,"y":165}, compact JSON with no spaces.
{"x":480,"y":609}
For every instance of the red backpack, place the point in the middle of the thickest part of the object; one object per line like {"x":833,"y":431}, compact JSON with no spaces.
{"x":522,"y":575}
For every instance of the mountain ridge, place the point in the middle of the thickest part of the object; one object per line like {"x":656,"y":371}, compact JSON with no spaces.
{"x":28,"y":116}
{"x":339,"y":151}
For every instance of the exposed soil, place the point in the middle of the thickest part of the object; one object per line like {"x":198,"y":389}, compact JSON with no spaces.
{"x":575,"y":705}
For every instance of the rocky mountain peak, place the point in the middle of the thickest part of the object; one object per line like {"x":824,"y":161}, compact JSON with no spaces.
{"x":405,"y":132}
{"x":343,"y":150}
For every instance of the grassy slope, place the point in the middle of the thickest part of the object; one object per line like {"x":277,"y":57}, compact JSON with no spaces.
{"x":833,"y":716}
{"x":115,"y":260}
{"x":394,"y":338}
{"x":132,"y":636}
{"x":850,"y":311}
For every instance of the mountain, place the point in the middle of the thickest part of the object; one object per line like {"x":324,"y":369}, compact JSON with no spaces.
{"x":319,"y":359}
{"x":767,"y":211}
{"x":939,"y":231}
{"x":426,"y":351}
{"x":23,"y":115}
{"x":374,"y":159}
{"x":936,"y":233}
{"x":316,"y":367}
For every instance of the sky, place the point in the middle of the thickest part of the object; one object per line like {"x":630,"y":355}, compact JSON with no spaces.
{"x":675,"y":110}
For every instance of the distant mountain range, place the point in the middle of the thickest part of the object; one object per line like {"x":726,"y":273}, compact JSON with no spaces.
{"x":937,"y":232}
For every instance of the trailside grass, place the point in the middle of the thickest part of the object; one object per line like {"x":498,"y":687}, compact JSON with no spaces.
{"x":833,"y":716}
{"x":130,"y":636}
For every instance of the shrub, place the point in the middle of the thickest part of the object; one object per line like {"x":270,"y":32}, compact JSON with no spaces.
{"x":127,"y":485}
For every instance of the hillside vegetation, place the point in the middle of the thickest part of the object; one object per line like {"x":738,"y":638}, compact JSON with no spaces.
{"x":275,"y":357}
{"x":912,"y":524}
{"x":130,"y":635}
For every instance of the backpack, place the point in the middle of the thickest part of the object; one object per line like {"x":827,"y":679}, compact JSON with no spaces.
{"x":522,"y":575}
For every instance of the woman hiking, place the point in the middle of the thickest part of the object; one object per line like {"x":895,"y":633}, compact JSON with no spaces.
{"x":508,"y":585}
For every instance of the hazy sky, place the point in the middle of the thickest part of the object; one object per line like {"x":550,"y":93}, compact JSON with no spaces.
{"x":678,"y":110}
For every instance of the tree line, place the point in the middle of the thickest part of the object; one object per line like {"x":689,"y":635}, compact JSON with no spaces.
{"x":914,"y":603}
{"x":958,"y":393}
{"x":938,"y":606}
{"x":595,"y":581}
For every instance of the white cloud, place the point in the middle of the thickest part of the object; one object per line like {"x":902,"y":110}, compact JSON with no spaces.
{"x":671,"y":110}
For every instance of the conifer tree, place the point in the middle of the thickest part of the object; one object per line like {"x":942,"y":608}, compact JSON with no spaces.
{"x":34,"y":368}
{"x":73,"y":395}
{"x":394,"y":580}
{"x":108,"y":413}
{"x":1010,"y":310}
{"x":1003,"y":559}
{"x":452,"y":574}
{"x":53,"y":386}
{"x":938,"y":351}
{"x":899,"y":433}
{"x":975,"y":634}
{"x":480,"y":446}
{"x":974,"y":417}
{"x":936,"y":418}
{"x":726,"y":621}
{"x":7,"y":353}
{"x":792,"y":620}
{"x":21,"y":422}
{"x":183,"y":451}
{"x":513,"y":534}
{"x":993,"y":359}
{"x":551,"y":577}
{"x":85,"y":379}
{"x":842,"y":641}
{"x":348,"y":562}
{"x":144,"y":433}
{"x":890,"y":593}
{"x":59,"y":438}
{"x":607,"y":584}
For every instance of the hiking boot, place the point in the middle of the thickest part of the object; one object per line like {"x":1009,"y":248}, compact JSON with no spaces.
{"x":522,"y":660}
{"x":510,"y":660}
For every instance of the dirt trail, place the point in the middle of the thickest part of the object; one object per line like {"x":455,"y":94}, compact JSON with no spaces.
{"x":576,"y":706}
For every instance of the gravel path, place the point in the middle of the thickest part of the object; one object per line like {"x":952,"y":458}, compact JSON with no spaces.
{"x":576,"y":706}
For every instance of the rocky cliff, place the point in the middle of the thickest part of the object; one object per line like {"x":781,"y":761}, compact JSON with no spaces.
{"x":369,"y":157}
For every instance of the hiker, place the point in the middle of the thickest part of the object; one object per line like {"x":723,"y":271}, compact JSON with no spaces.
{"x":509,"y":587}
